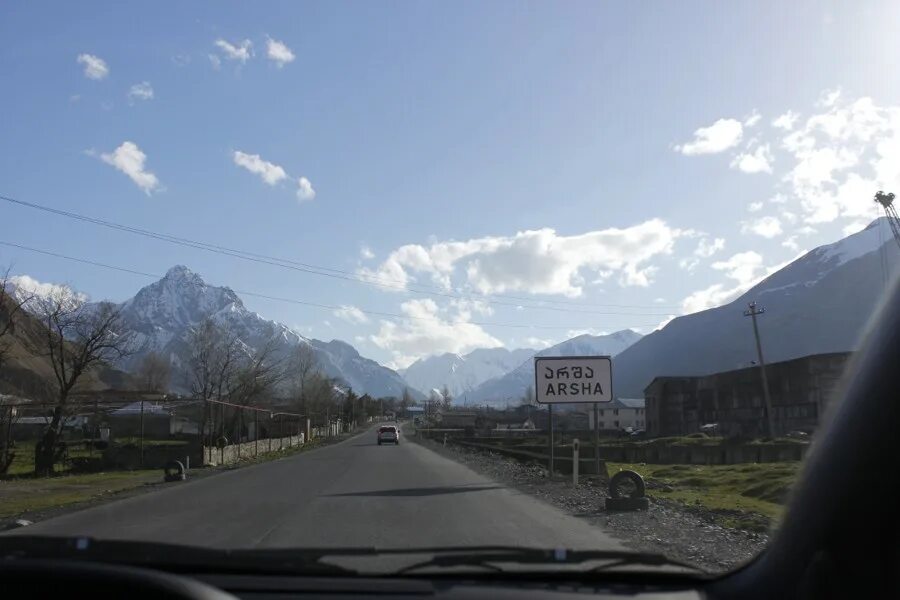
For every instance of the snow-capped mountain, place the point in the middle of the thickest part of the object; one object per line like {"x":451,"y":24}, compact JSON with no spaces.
{"x":818,"y":303}
{"x":33,"y":294}
{"x":463,"y":373}
{"x":161,"y":315}
{"x":512,"y":386}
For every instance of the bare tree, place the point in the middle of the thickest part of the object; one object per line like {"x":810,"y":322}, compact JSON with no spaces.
{"x":302,"y":365}
{"x":77,"y":341}
{"x":528,"y":397}
{"x":259,"y":373}
{"x":214,"y":364}
{"x":406,"y":400}
{"x":446,"y":398}
{"x":321,"y":400}
{"x":10,"y":306}
{"x":154,"y":372}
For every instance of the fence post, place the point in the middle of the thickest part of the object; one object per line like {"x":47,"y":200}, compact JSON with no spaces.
{"x":255,"y":433}
{"x":142,"y":432}
{"x":240,"y":435}
{"x":575,"y":461}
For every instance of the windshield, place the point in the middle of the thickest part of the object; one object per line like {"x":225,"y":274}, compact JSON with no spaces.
{"x":398,"y":275}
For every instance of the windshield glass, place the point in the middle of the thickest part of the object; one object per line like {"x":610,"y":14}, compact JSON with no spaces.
{"x":401,"y":275}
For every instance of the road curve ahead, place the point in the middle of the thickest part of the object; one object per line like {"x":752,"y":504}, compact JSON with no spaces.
{"x":354,"y":493}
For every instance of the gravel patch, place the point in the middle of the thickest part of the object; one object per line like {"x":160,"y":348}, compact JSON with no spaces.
{"x":690,"y":534}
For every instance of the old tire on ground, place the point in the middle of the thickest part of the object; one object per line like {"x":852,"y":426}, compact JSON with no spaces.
{"x":642,"y":503}
{"x":174,"y":471}
{"x":627,"y":476}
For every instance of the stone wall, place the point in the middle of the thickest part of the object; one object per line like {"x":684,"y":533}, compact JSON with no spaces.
{"x":213,"y":456}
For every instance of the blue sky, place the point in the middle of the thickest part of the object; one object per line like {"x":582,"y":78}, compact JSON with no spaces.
{"x":661,"y":157}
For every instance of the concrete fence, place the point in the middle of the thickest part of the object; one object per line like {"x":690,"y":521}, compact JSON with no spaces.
{"x":232,"y":453}
{"x":725,"y":454}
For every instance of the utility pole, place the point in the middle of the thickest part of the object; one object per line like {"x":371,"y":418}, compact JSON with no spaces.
{"x":752,"y":312}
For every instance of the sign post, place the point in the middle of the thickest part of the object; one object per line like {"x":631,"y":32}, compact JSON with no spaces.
{"x":571,"y":380}
{"x":550,"y":425}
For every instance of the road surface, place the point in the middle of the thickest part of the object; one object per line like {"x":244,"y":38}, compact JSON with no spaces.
{"x":354,"y":493}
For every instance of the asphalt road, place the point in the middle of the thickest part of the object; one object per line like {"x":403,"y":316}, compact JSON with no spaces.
{"x":354,"y":493}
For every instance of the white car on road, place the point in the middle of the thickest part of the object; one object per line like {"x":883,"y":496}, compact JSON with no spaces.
{"x":388,"y":434}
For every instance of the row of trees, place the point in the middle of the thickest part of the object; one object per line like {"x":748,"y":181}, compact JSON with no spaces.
{"x":77,"y":340}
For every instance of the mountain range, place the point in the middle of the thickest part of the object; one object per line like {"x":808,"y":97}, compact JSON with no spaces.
{"x":511,"y":387}
{"x":161,"y":316}
{"x":818,"y":303}
{"x":462,"y":373}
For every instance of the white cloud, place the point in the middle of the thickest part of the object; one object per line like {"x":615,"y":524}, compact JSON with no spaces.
{"x":843,"y":154}
{"x":745,"y":269}
{"x":130,"y":159}
{"x":706,"y":248}
{"x":664,"y":322}
{"x":659,"y":300}
{"x":140,"y":91}
{"x":305,"y":190}
{"x":689,"y":264}
{"x":351,"y":314}
{"x":181,"y":60}
{"x":366,"y":253}
{"x":757,"y":161}
{"x":278,"y":52}
{"x":538,"y":343}
{"x":742,"y":267}
{"x":779,"y":198}
{"x":786,"y":121}
{"x":535,"y":261}
{"x":791,"y":244}
{"x":767,"y":227}
{"x":855,"y":227}
{"x":270,"y":173}
{"x":754,"y":207}
{"x":241,"y":52}
{"x":215,"y":61}
{"x":807,"y":230}
{"x":718,"y":137}
{"x":829,"y":98}
{"x":94,"y":67}
{"x":428,"y":329}
{"x":753,"y":119}
{"x":789,"y":217}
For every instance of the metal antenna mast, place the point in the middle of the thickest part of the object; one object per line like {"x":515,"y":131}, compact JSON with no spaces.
{"x":886,"y":200}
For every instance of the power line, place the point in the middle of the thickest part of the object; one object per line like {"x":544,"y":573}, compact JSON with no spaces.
{"x":295,"y":301}
{"x":327,"y":271}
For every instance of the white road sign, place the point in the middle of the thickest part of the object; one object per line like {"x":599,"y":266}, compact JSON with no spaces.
{"x":563,"y":379}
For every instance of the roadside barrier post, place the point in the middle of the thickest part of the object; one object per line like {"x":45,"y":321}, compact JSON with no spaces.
{"x":575,"y":461}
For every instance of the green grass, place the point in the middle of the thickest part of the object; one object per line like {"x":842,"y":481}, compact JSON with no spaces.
{"x":18,"y":496}
{"x":749,"y":496}
{"x":24,"y":461}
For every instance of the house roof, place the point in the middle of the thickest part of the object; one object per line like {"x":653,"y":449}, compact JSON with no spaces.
{"x":630,"y":402}
{"x":135,"y":409}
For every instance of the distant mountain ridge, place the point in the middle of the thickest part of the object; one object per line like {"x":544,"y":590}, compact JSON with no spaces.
{"x":160,"y":317}
{"x":819,"y":303}
{"x":463,"y":373}
{"x":512,"y":386}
